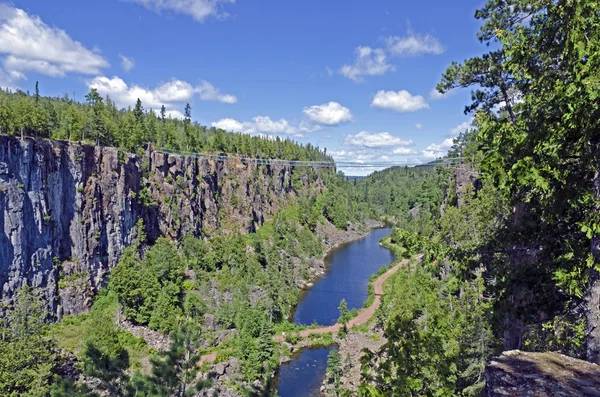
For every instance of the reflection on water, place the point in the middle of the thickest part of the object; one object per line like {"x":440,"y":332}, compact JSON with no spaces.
{"x":347,"y":277}
{"x":303,"y":375}
{"x":349,"y":269}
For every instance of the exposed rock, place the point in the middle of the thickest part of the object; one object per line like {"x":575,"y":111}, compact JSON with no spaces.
{"x":333,"y":237}
{"x":154,"y":339}
{"x":464,"y":175}
{"x":220,"y":368}
{"x":67,"y":211}
{"x":351,"y":350}
{"x":516,"y":373}
{"x":210,"y":322}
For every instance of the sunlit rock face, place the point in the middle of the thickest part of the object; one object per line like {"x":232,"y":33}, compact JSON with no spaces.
{"x":67,"y":211}
{"x":516,"y":373}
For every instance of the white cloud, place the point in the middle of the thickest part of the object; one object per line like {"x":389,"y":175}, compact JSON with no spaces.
{"x":418,"y":127}
{"x":127,"y":63}
{"x":402,"y":151}
{"x":329,"y":71}
{"x":436,"y":95}
{"x":369,"y":62}
{"x":174,"y":91}
{"x":401,"y":101}
{"x":266,"y":125}
{"x":431,"y":154}
{"x":375,"y":140}
{"x":174,"y":114}
{"x":307,"y":126}
{"x":200,"y":10}
{"x":208,"y":92}
{"x":10,"y":79}
{"x":461,"y":128}
{"x":172,"y":94}
{"x":445,"y":145}
{"x":33,"y":46}
{"x":435,"y":150}
{"x":258,"y":125}
{"x":331,"y":113}
{"x":229,"y":124}
{"x":414,"y":44}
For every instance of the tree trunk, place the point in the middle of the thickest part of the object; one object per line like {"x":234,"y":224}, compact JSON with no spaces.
{"x":509,"y":108}
{"x":592,"y":296}
{"x":592,"y":314}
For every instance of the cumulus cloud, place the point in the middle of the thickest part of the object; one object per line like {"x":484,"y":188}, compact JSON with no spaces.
{"x":331,"y":113}
{"x":32,"y":46}
{"x":436,"y":95}
{"x":445,"y":145}
{"x":403,"y":151}
{"x":435,"y":150}
{"x":208,"y":92}
{"x":11,"y":79}
{"x":200,"y":10}
{"x":414,"y":44}
{"x":375,"y":140}
{"x":259,"y":125}
{"x":431,"y":154}
{"x":127,"y":63}
{"x":172,"y":94}
{"x":401,"y":101}
{"x":461,"y":128}
{"x":368,"y":62}
{"x":229,"y":124}
{"x":418,"y":127}
{"x":353,"y":156}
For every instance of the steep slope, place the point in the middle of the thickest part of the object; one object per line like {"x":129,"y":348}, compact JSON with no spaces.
{"x":67,"y":211}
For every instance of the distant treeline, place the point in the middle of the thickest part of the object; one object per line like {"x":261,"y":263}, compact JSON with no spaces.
{"x":99,"y":121}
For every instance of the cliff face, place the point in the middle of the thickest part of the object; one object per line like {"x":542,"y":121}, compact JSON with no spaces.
{"x":67,"y":211}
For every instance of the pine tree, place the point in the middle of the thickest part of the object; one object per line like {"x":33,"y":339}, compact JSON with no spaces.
{"x":334,"y":369}
{"x":174,"y":372}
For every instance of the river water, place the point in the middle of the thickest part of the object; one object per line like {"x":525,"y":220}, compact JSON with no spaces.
{"x":349,"y":268}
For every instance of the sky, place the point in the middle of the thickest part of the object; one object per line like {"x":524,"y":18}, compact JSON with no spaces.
{"x":355,"y":77}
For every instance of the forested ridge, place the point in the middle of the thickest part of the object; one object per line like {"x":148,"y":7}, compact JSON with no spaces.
{"x":99,"y":121}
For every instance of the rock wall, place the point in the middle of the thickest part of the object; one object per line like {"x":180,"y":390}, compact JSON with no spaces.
{"x":67,"y":211}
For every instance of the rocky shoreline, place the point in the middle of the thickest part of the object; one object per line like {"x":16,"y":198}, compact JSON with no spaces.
{"x":333,"y":238}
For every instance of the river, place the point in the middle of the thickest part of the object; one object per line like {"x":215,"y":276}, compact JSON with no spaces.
{"x":349,"y":268}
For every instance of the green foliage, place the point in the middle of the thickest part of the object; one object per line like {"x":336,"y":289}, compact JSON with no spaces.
{"x":174,"y":372}
{"x":334,"y":370}
{"x":150,"y":289}
{"x":27,"y":357}
{"x":99,"y":121}
{"x":562,"y":334}
{"x":438,"y":339}
{"x":344,"y":312}
{"x":409,"y":196}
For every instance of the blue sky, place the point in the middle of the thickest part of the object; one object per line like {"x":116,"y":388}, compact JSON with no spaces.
{"x":354,"y":77}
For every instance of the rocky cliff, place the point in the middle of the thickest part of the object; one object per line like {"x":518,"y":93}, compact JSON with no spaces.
{"x":67,"y":211}
{"x":516,"y":373}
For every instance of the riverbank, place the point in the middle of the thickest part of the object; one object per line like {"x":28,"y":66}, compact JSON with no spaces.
{"x":332,"y":238}
{"x":363,"y":316}
{"x":368,"y":336}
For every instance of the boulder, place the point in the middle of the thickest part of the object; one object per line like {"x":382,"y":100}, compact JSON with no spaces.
{"x":520,"y":374}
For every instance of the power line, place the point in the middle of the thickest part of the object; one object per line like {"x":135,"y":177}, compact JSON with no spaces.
{"x":302,"y":163}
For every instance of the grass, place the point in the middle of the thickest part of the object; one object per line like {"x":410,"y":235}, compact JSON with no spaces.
{"x":320,"y":340}
{"x":69,"y":335}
